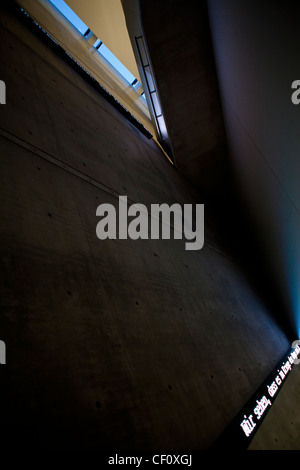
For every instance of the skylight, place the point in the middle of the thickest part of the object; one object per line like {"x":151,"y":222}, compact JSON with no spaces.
{"x":97,"y":44}
{"x":70,"y":15}
{"x":112,"y":59}
{"x":136,"y":84}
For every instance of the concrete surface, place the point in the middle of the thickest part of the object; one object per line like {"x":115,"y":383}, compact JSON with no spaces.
{"x":179,"y":43}
{"x":116,"y":344}
{"x":257,"y":60}
{"x":273,"y":434}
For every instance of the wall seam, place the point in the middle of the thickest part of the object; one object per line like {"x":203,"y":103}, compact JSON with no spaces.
{"x":79,"y":174}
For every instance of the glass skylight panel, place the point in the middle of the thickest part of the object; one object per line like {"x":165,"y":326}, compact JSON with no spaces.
{"x":136,"y":85}
{"x":70,"y":15}
{"x":156,"y":104}
{"x":149,"y":79}
{"x":162,"y":127}
{"x":111,"y":58}
{"x":97,"y":44}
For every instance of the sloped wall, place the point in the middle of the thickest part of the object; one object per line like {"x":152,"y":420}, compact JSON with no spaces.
{"x":179,"y":42}
{"x":256,"y":47}
{"x":117,"y":344}
{"x":257,"y":61}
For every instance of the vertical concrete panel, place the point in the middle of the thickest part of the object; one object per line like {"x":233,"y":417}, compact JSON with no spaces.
{"x":257,"y":59}
{"x":256,"y":51}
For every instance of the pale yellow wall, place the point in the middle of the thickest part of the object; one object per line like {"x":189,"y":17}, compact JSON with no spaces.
{"x":107,"y":21}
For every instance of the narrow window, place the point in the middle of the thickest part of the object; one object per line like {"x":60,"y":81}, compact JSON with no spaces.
{"x":70,"y":15}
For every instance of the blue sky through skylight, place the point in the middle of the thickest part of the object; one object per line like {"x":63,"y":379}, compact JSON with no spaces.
{"x":70,"y":15}
{"x":97,"y":43}
{"x":112,"y":59}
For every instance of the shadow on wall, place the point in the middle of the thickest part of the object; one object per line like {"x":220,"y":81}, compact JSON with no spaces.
{"x":179,"y":42}
{"x":256,"y":47}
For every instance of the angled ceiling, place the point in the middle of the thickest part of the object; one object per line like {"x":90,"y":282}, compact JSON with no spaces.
{"x":107,"y":21}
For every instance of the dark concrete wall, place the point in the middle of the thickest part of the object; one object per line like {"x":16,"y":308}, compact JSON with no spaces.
{"x":281,"y":428}
{"x":256,"y":48}
{"x":112,"y":344}
{"x":180,"y":47}
{"x":257,"y":58}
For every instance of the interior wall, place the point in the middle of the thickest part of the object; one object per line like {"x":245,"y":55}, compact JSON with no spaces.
{"x":115,"y":344}
{"x":280,"y":429}
{"x":256,"y":48}
{"x":180,"y":49}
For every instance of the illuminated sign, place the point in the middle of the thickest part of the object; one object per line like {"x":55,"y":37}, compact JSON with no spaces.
{"x":242,"y":429}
